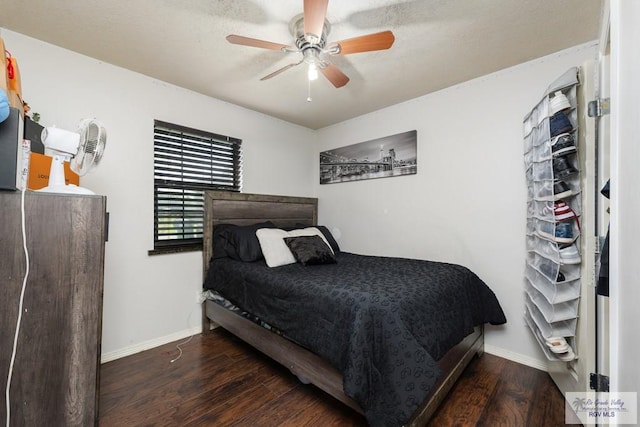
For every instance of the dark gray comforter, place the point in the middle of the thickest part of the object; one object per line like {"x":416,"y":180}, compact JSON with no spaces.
{"x":383,"y":322}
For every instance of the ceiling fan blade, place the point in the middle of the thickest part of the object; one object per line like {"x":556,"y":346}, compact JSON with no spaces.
{"x":368,"y":43}
{"x":334,"y":75}
{"x":315,"y":12}
{"x":281,"y":70}
{"x":248,"y":41}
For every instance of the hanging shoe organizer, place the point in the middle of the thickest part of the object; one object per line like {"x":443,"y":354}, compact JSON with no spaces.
{"x":552,"y":271}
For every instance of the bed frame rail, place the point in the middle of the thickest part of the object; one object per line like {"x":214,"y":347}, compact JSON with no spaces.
{"x":301,"y":362}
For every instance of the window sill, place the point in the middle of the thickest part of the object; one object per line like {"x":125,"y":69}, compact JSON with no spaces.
{"x":174,"y":249}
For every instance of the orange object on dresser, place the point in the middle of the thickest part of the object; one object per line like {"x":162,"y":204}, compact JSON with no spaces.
{"x":4,"y":79}
{"x":39,"y":168}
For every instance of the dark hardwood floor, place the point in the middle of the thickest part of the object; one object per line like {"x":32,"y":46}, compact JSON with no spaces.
{"x":221,"y":381}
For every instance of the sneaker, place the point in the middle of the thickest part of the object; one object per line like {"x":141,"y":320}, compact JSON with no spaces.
{"x":563,"y":144}
{"x":567,"y":356}
{"x":562,"y":168}
{"x":562,"y":212}
{"x":557,"y":344}
{"x":559,"y":102}
{"x":559,"y":123}
{"x":570,"y":255}
{"x":561,"y":190}
{"x":564,"y":233}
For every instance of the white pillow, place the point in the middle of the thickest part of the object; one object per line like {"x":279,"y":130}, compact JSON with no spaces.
{"x":275,"y":250}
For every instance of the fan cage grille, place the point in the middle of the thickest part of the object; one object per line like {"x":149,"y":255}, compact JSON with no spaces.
{"x":90,"y":152}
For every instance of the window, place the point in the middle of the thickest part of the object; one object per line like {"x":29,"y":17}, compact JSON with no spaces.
{"x":185,"y":163}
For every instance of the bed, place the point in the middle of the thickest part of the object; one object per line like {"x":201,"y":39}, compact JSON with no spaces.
{"x":361,"y":344}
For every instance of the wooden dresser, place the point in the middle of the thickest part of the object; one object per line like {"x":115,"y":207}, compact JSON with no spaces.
{"x":56,"y":372}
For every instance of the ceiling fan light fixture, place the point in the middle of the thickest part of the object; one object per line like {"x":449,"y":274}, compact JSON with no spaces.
{"x":313,"y":71}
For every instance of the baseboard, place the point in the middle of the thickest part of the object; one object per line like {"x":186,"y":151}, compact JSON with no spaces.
{"x":516,"y":357}
{"x":146,"y":345}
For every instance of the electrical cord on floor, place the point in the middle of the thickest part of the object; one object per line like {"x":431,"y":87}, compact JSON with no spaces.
{"x":20,"y":305}
{"x":179,"y":346}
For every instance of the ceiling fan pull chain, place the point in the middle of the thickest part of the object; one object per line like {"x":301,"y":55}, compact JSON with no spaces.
{"x":309,"y":90}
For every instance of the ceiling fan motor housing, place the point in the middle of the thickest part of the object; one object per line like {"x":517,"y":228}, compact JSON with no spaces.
{"x":310,"y":46}
{"x":306,"y":41}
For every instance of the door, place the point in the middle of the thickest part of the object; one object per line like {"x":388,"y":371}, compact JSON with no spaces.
{"x":616,"y":338}
{"x":592,"y":337}
{"x":603,"y":159}
{"x":625,"y":203}
{"x":574,"y":376}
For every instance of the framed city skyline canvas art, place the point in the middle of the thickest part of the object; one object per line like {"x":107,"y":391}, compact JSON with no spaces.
{"x":394,"y":155}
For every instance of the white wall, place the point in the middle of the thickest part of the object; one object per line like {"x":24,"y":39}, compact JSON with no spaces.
{"x":467,"y":203}
{"x":149,"y":300}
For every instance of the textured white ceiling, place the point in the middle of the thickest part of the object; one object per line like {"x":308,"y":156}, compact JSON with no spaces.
{"x":439,"y":43}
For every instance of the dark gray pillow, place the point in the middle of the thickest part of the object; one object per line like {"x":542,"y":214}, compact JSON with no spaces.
{"x":310,"y":250}
{"x":327,"y":235}
{"x":238,"y":242}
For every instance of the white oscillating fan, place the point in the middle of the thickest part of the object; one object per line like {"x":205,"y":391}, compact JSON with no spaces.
{"x":83,"y":149}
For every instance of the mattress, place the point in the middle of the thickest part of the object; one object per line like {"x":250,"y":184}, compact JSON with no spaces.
{"x":383,"y":322}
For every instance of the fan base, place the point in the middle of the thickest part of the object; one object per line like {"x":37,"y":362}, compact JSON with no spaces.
{"x":66,"y":189}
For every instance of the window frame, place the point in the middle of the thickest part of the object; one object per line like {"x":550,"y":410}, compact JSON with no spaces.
{"x":187,"y":162}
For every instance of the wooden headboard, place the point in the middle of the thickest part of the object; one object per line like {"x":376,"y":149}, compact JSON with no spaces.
{"x":226,"y":207}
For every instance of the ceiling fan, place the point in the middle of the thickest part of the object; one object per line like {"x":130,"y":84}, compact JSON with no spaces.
{"x":310,"y":31}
